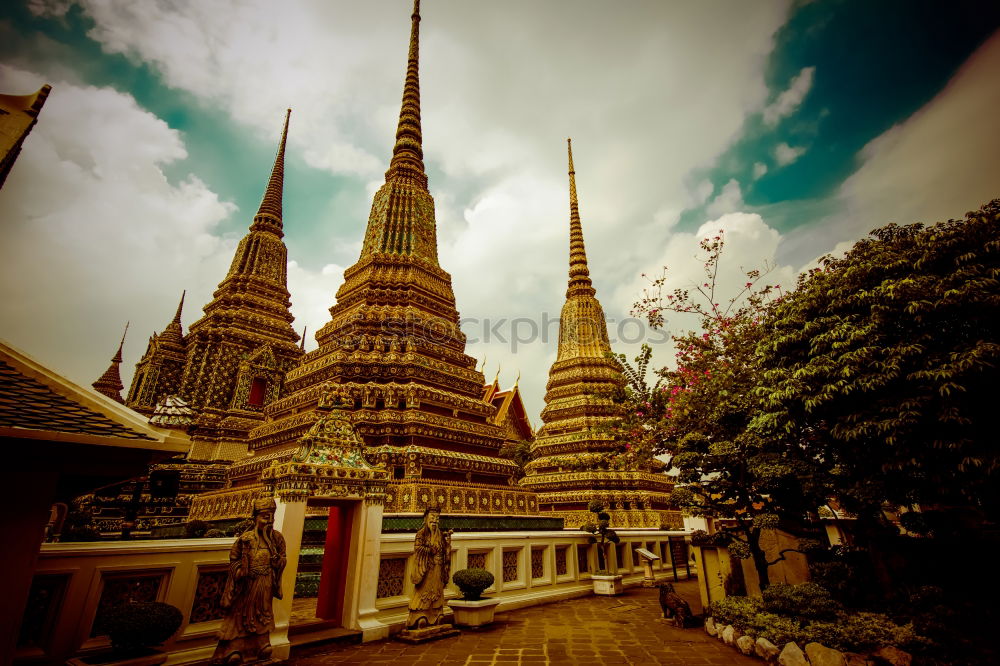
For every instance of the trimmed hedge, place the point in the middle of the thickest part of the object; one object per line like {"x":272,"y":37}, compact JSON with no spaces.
{"x":472,"y":582}
{"x":806,"y":613}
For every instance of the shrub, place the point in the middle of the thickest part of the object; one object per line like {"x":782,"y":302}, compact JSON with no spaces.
{"x":735,"y":610}
{"x":214,"y":533}
{"x":141,"y":625}
{"x":472,"y":582}
{"x":703,"y":538}
{"x":195,"y":529}
{"x":854,"y":631}
{"x":860,"y":632}
{"x":807,"y":601}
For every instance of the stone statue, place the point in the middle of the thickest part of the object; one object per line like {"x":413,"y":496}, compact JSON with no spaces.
{"x":432,"y":565}
{"x":256,"y":562}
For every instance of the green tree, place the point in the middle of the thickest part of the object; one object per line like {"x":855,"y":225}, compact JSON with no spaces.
{"x":518,"y":451}
{"x":699,"y":413}
{"x":883,"y":364}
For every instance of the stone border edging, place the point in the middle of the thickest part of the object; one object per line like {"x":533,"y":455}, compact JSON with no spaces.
{"x":815,"y":654}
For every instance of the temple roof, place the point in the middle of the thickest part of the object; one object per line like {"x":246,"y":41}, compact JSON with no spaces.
{"x":37,"y":403}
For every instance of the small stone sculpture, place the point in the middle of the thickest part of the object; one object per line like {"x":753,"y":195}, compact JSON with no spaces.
{"x":673,"y":605}
{"x":256,"y":562}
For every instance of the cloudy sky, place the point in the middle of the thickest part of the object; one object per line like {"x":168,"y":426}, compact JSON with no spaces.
{"x":794,"y":126}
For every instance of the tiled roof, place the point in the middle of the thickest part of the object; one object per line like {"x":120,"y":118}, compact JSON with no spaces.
{"x":27,"y":403}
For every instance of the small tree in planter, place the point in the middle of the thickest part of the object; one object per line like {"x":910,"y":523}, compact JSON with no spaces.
{"x":604,"y":581}
{"x":472,"y":610}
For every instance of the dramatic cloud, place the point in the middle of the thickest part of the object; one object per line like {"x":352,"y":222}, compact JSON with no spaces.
{"x":500,"y":93}
{"x":789,"y":100}
{"x":939,"y":163}
{"x":729,"y":200}
{"x":88,"y":213}
{"x":785,"y":154}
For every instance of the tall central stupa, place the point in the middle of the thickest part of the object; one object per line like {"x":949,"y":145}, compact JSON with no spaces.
{"x":394,"y":348}
{"x":576,"y":457}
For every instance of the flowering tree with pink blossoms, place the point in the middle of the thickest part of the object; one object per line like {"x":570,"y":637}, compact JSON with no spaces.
{"x":699,"y":412}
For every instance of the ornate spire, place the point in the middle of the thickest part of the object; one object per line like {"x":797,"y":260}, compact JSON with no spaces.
{"x":173,"y":333}
{"x":110,"y":383}
{"x":579,"y":273}
{"x":302,"y":345}
{"x":269,"y":213}
{"x":408,"y":154}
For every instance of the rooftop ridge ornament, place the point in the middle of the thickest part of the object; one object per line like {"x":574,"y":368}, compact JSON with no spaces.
{"x":408,"y":153}
{"x":269,"y":214}
{"x":172,"y":412}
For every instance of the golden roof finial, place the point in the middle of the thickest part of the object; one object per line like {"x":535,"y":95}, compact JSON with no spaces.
{"x":579,"y":273}
{"x":118,"y":355}
{"x":302,"y":345}
{"x":518,"y":380}
{"x":110,"y":383}
{"x":180,"y":308}
{"x":408,"y":153}
{"x":270,"y":205}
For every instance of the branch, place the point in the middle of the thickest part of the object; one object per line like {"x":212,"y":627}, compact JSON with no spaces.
{"x":781,"y":555}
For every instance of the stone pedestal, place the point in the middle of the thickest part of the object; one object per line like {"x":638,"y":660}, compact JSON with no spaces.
{"x":427,"y":633}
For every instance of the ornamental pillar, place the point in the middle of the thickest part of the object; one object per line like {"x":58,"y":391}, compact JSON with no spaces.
{"x":289,"y":519}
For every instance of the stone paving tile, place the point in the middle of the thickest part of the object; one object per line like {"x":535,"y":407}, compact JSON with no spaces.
{"x":626,"y":629}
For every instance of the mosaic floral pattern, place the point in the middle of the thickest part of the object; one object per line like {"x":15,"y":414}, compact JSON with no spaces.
{"x":562,"y":566}
{"x":510,"y":561}
{"x":537,"y":563}
{"x":207,"y":596}
{"x":390,"y":577}
{"x":476,"y":560}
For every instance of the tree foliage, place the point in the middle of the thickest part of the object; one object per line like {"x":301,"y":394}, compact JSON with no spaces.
{"x":884,"y":364}
{"x":699,"y":412}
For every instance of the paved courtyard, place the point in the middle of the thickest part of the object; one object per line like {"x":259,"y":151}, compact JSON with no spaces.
{"x":591,"y":630}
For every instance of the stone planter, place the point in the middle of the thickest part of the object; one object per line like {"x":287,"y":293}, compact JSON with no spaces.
{"x":609,"y":585}
{"x":473,"y":613}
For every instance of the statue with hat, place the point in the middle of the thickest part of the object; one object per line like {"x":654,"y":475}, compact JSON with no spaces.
{"x":432,"y":562}
{"x":256,"y":562}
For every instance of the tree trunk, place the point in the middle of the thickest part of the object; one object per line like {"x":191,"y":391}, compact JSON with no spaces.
{"x":602,"y":557}
{"x":759,"y":558}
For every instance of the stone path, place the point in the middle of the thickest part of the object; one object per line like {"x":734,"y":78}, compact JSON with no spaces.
{"x":591,"y":630}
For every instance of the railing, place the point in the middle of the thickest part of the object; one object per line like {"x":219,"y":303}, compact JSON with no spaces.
{"x":76,"y":583}
{"x":528,"y":568}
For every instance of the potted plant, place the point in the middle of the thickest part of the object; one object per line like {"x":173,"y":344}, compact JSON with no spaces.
{"x":604,"y":581}
{"x":472,"y":610}
{"x":134,"y":630}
